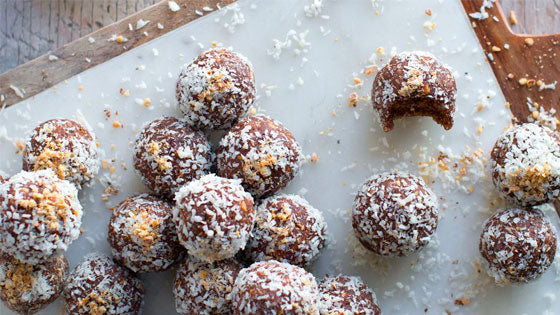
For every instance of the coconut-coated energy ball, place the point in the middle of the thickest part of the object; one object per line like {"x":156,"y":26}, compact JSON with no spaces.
{"x":517,"y":245}
{"x":262,"y":153}
{"x":66,"y":147}
{"x":525,"y":165}
{"x":27,"y":288}
{"x":205,"y":288}
{"x":214,"y":217}
{"x":216,"y":89}
{"x":142,"y":234}
{"x":344,"y":295}
{"x":168,"y":153}
{"x":40,"y":215}
{"x":274,"y":288}
{"x":394,"y":214}
{"x":414,"y":84}
{"x":287,"y":229}
{"x":99,"y":286}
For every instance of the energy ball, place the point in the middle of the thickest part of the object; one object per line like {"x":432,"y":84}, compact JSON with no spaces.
{"x":99,"y":286}
{"x":27,"y":288}
{"x":343,"y":295}
{"x":414,"y":84}
{"x":216,"y":89}
{"x":517,"y":245}
{"x":168,"y":153}
{"x":205,"y":288}
{"x":272,"y":287}
{"x":64,"y":146}
{"x":394,"y":214}
{"x":40,"y":215}
{"x":142,"y":234}
{"x":525,"y":165}
{"x":214,"y":217}
{"x":262,"y":153}
{"x":287,"y":229}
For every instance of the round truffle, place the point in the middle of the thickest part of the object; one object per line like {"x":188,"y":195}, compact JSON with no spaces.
{"x":262,"y":153}
{"x":517,"y":245}
{"x":66,"y":147}
{"x":525,"y":165}
{"x":27,"y":288}
{"x":343,"y":295}
{"x":272,"y":287}
{"x":287,"y":229}
{"x":99,"y":286}
{"x":414,"y":84}
{"x":216,"y":89}
{"x":142,"y":234}
{"x":394,"y":214}
{"x":168,"y":153}
{"x":40,"y":215}
{"x":205,"y":288}
{"x":214,"y":217}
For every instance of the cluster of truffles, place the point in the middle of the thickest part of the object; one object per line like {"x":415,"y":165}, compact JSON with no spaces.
{"x":414,"y":84}
{"x":394,"y":214}
{"x":518,"y":243}
{"x":40,"y":214}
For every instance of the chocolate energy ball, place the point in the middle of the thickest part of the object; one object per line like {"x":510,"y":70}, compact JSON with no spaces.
{"x":142,"y":234}
{"x":287,"y":229}
{"x":343,"y":295}
{"x":168,"y":153}
{"x":262,"y":153}
{"x":414,"y":84}
{"x":517,"y":245}
{"x":216,"y":89}
{"x":27,"y":288}
{"x":525,"y":165}
{"x":40,"y":215}
{"x":272,"y":287}
{"x":214,"y":217}
{"x":99,"y":286}
{"x":394,"y":214}
{"x":205,"y":288}
{"x":64,"y":146}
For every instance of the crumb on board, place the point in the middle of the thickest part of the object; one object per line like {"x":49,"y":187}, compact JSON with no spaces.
{"x":512,"y":17}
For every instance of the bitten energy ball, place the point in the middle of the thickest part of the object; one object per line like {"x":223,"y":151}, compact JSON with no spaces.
{"x":414,"y":84}
{"x":142,"y":234}
{"x":525,"y":165}
{"x":214,"y":217}
{"x":394,"y":214}
{"x":40,"y":215}
{"x":205,"y":288}
{"x":216,"y":89}
{"x":168,"y":153}
{"x":517,"y":245}
{"x":287,"y":229}
{"x":262,"y":153}
{"x":64,"y":146}
{"x":99,"y":286}
{"x":343,"y":295}
{"x":272,"y":287}
{"x":27,"y":288}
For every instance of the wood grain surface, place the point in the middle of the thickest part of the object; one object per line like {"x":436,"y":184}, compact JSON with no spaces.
{"x":525,"y":65}
{"x":90,"y":50}
{"x":30,"y":28}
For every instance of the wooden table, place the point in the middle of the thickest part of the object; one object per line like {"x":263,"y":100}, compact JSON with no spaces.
{"x":31,"y":28}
